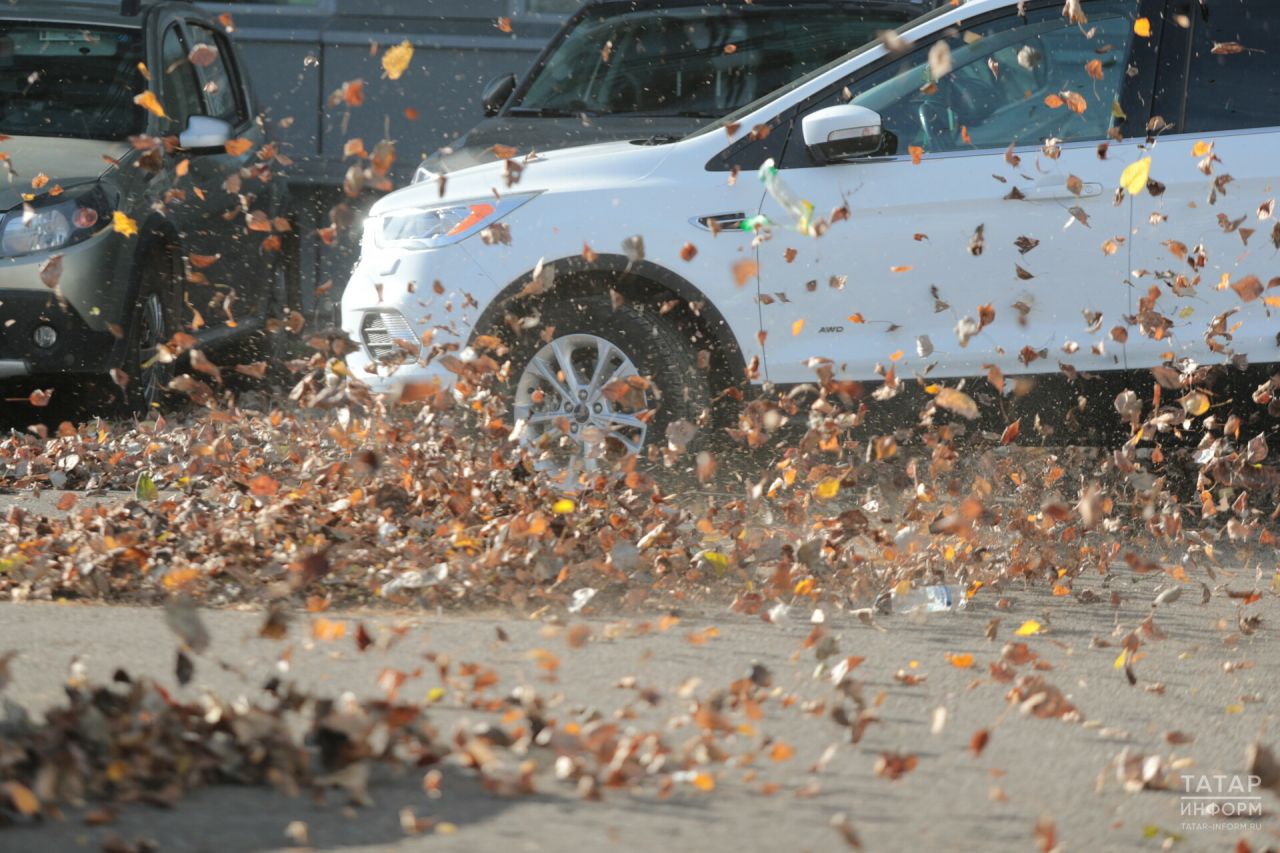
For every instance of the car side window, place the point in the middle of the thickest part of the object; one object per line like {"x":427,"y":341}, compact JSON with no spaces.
{"x":179,"y":89}
{"x":1233,"y":80}
{"x":211,"y":57}
{"x":1009,"y":80}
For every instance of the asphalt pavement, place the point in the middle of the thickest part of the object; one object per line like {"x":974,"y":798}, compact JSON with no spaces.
{"x":1207,"y":680}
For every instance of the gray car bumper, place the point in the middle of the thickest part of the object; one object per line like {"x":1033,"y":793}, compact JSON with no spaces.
{"x":9,"y":368}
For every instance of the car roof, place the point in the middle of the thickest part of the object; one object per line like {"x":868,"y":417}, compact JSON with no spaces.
{"x":100,"y":12}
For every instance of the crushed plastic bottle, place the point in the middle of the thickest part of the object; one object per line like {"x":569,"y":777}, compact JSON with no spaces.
{"x":927,"y":599}
{"x":782,"y":194}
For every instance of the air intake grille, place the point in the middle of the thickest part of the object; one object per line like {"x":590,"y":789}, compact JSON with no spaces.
{"x":380,"y":331}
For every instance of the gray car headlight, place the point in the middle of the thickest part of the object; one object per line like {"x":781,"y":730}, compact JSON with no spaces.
{"x":433,"y":227}
{"x":54,"y":222}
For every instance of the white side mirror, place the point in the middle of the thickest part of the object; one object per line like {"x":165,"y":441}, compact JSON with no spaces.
{"x":205,"y":133}
{"x":843,"y":131}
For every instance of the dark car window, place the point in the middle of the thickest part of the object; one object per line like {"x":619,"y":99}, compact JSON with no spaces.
{"x":1234,"y":73}
{"x":695,"y":60}
{"x":1014,"y":80}
{"x":222,"y":94}
{"x":180,"y":90}
{"x":70,"y":81}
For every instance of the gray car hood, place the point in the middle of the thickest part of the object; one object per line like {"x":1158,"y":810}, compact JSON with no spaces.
{"x":66,"y":162}
{"x":548,"y":134}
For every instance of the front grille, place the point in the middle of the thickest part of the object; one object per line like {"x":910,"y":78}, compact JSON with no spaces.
{"x":381,"y":329}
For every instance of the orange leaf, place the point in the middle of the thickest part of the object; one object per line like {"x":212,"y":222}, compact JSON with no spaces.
{"x":237,"y":147}
{"x":1060,"y":590}
{"x":149,"y":102}
{"x":963,"y":661}
{"x":782,"y":752}
{"x":328,"y":629}
{"x":797,"y":327}
{"x":1053,"y":102}
{"x":906,"y":268}
{"x":1142,"y":27}
{"x":704,"y":782}
{"x":1094,"y":68}
{"x":744,"y":271}
{"x":504,"y":25}
{"x":917,"y":154}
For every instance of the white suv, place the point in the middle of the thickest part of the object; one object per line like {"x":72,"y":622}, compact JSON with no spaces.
{"x":1005,"y":187}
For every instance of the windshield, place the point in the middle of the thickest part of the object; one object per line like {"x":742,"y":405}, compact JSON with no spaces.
{"x":62,"y":80}
{"x":700,"y":61}
{"x":942,"y":8}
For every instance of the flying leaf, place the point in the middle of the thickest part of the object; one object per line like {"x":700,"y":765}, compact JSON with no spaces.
{"x":395,"y":62}
{"x":1028,"y":628}
{"x":957,"y":401}
{"x":149,"y":102}
{"x":122,"y":224}
{"x":1142,"y":27}
{"x":238,"y":147}
{"x":1135,"y":176}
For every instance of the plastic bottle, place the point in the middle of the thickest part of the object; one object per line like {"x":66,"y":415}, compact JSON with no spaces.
{"x":929,"y":599}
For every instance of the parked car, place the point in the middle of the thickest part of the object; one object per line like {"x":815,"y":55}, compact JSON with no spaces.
{"x":994,"y":207}
{"x":141,"y":199}
{"x":628,"y":69}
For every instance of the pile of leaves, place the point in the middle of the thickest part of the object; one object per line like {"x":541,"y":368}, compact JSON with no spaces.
{"x":337,"y":496}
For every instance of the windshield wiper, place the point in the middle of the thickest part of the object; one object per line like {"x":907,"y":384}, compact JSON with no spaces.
{"x":659,"y":139}
{"x":546,"y":112}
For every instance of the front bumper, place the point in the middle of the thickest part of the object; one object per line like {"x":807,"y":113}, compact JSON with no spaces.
{"x":407,"y":331}
{"x":88,"y":301}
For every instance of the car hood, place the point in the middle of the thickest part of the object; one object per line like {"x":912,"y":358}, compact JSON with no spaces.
{"x":66,"y":162}
{"x":609,"y":164}
{"x":545,"y":134}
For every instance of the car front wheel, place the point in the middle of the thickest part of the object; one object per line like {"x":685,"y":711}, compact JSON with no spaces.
{"x":603,"y":383}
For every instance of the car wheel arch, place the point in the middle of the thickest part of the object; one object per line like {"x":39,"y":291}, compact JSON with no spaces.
{"x":641,"y":281}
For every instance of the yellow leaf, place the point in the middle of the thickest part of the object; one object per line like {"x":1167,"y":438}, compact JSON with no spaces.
{"x":1028,"y":628}
{"x":435,"y":694}
{"x":1142,"y":27}
{"x":1120,"y":659}
{"x":719,"y":561}
{"x":22,"y":798}
{"x":797,"y":327}
{"x":704,"y":782}
{"x":1271,"y":301}
{"x":122,"y":224}
{"x":827,"y":489}
{"x":564,"y":506}
{"x":1201,"y":149}
{"x":149,"y":102}
{"x":1235,"y":709}
{"x":1134,"y":177}
{"x":804,"y":586}
{"x":963,"y":661}
{"x":396,"y":60}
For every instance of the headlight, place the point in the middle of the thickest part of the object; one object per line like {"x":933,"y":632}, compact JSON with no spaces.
{"x":54,"y":222}
{"x":433,"y":227}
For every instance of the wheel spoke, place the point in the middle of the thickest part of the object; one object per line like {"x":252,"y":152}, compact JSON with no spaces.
{"x":544,"y":370}
{"x":620,"y":419}
{"x":564,"y":358}
{"x":604,"y":352}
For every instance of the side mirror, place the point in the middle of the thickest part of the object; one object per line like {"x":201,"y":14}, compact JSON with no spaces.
{"x":496,"y":93}
{"x":205,"y":133}
{"x":843,"y":132}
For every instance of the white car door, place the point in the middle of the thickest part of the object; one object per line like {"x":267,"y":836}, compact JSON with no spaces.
{"x":1205,"y":248}
{"x":959,"y":254}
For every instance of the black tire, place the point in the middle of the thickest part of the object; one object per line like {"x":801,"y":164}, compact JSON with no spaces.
{"x":154,"y":321}
{"x":659,"y":351}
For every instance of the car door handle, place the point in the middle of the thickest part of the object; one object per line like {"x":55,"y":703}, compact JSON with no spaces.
{"x":723,"y":221}
{"x":1056,"y":191}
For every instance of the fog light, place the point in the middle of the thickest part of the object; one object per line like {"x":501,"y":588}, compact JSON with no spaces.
{"x":45,"y":336}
